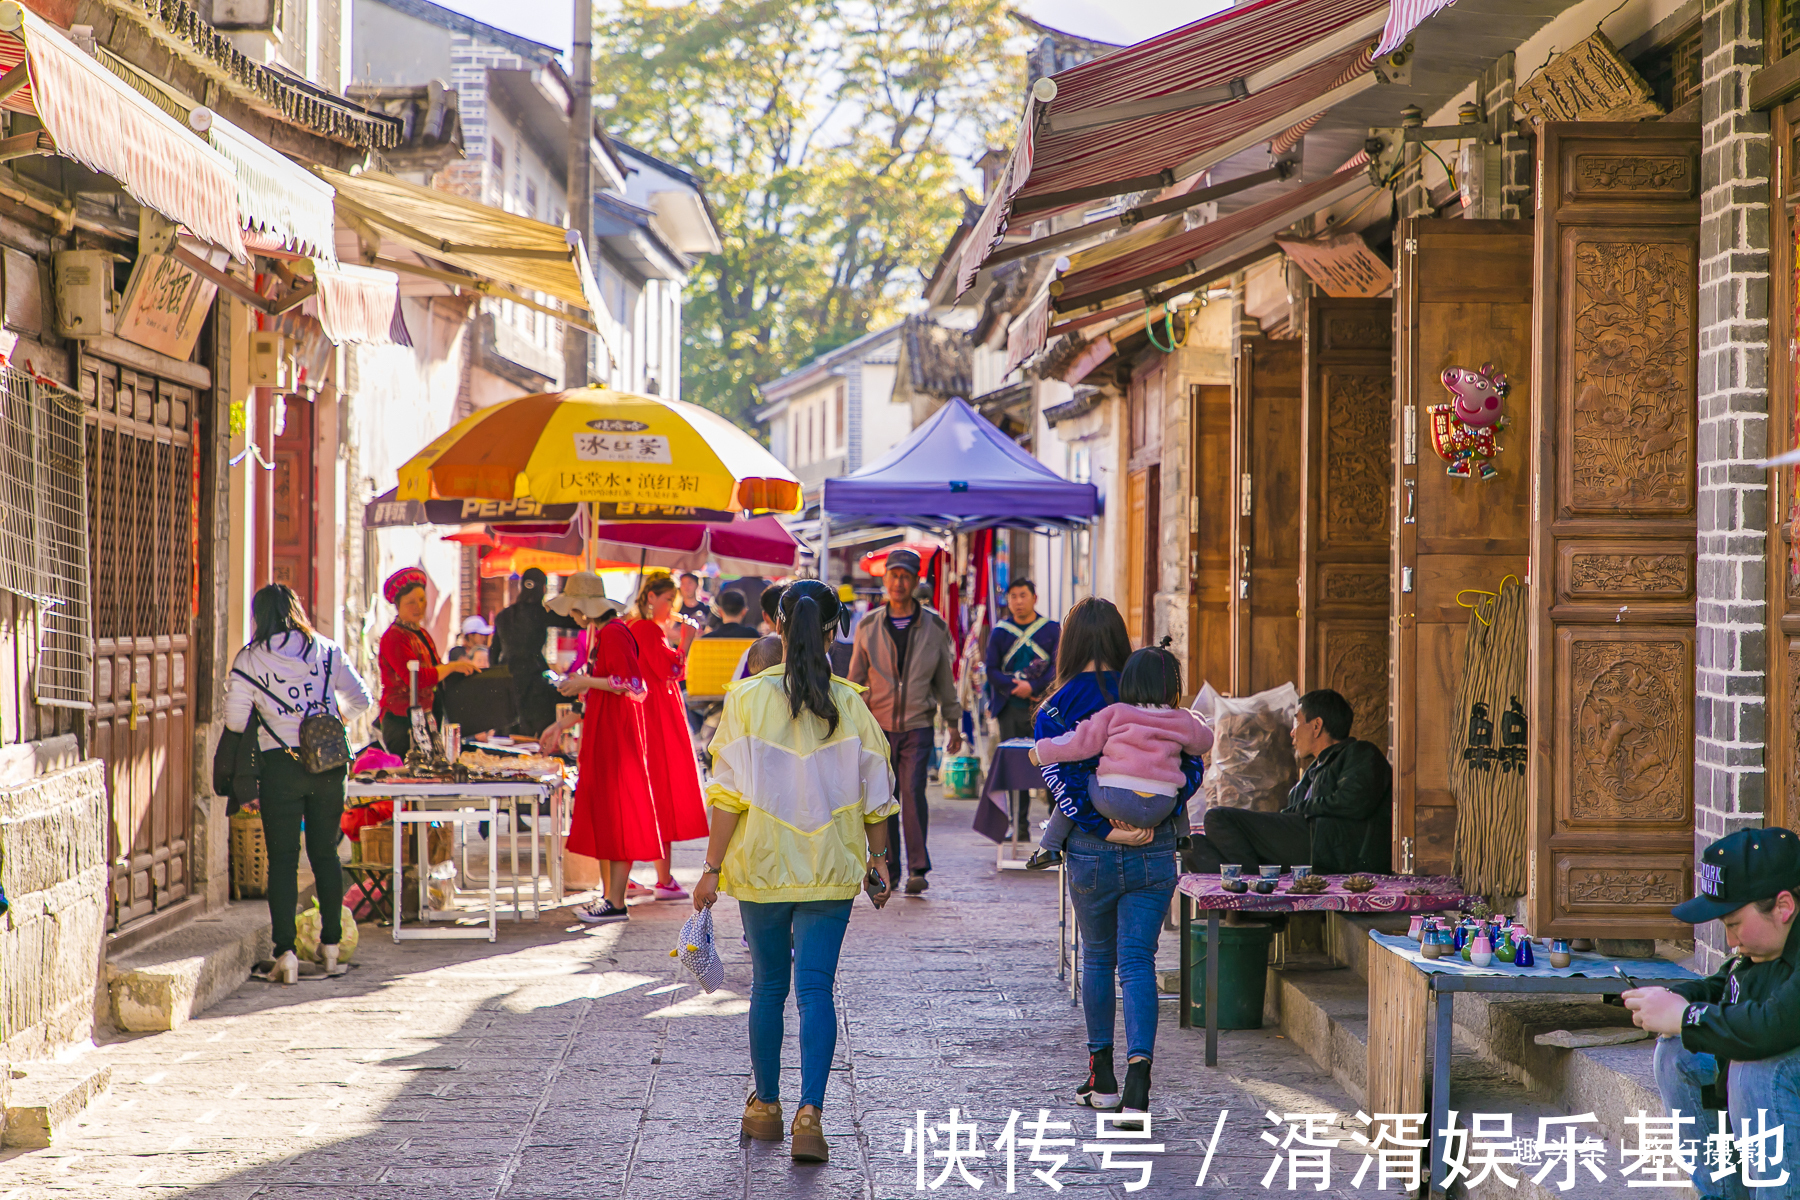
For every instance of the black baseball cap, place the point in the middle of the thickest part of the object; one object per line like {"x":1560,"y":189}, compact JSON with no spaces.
{"x":1744,"y":867}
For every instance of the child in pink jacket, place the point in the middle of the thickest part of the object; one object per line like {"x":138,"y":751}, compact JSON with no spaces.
{"x":1139,"y":741}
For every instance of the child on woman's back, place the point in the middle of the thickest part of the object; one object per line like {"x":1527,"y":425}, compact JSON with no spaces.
{"x":1140,"y":741}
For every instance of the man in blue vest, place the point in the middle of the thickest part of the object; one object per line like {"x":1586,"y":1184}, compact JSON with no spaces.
{"x":1021,"y":662}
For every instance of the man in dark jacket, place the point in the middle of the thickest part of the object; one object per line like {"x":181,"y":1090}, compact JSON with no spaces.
{"x":1338,"y":818}
{"x":1736,"y":1032}
{"x":520,"y":631}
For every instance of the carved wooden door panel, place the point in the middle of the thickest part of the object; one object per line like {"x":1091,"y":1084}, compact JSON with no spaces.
{"x":1137,"y":537}
{"x":1265,"y":550}
{"x":1465,"y":300}
{"x":1209,"y":538}
{"x":294,"y":519}
{"x":143,"y":527}
{"x":1348,"y":412}
{"x":1782,"y":756}
{"x":1612,"y":622}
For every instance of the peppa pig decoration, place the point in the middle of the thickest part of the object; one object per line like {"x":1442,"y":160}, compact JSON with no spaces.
{"x":1463,"y":432}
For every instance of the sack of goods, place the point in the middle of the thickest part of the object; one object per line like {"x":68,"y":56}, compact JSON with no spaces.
{"x":698,"y":953}
{"x":1252,"y":764}
{"x":307,"y":927}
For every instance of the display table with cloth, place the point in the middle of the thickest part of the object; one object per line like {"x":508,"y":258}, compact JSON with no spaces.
{"x":1009,"y":772}
{"x":1411,"y":999}
{"x":424,"y":803}
{"x":1203,"y":893}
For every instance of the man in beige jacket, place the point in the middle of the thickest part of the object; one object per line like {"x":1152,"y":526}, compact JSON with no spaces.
{"x":902,"y":655}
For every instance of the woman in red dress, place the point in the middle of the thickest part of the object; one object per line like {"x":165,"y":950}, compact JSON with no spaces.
{"x":614,"y":819}
{"x":663,"y":638}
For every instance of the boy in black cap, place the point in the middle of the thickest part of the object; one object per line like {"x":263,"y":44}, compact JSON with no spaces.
{"x":1737,"y":1032}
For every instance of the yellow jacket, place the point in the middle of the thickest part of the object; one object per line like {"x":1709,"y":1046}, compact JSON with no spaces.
{"x":804,"y":797}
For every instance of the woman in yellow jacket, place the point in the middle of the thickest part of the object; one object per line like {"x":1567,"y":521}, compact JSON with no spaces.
{"x":800,"y":794}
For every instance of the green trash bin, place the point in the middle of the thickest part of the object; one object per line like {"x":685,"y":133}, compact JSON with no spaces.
{"x":1243,"y":974}
{"x":962,"y":775}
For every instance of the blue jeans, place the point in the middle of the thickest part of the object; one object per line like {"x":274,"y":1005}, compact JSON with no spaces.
{"x":1118,"y":804}
{"x":814,"y":931}
{"x":1121,"y":894}
{"x":1771,"y":1084}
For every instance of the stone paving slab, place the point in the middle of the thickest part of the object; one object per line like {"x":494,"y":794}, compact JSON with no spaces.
{"x":566,"y":1062}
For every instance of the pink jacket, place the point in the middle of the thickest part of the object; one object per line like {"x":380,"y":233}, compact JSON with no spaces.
{"x":1139,"y":748}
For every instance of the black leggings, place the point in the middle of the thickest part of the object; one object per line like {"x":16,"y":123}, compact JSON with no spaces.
{"x":290,"y":793}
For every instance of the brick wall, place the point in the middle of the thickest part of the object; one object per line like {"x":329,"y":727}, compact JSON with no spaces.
{"x":1729,"y":681}
{"x":1497,"y":85}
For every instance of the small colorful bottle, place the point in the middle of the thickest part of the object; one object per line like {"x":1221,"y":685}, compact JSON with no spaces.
{"x":1524,"y":957}
{"x":1505,"y":948}
{"x":1416,"y":926}
{"x":1481,"y":949}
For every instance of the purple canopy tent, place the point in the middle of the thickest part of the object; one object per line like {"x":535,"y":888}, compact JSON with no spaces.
{"x":958,"y":471}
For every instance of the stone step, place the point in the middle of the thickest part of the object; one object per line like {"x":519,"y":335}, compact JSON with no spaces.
{"x":1325,"y":1012}
{"x":166,"y":981}
{"x":42,"y":1098}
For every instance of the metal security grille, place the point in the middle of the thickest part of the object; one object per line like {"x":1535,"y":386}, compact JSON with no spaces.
{"x":44,"y":531}
{"x":143,"y":495}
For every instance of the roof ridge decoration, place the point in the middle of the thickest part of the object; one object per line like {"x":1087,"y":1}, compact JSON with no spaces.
{"x":179,"y":26}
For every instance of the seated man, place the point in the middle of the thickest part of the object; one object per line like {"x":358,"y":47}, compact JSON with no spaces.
{"x":730,"y":607}
{"x":1736,"y":1033}
{"x":1338,"y":818}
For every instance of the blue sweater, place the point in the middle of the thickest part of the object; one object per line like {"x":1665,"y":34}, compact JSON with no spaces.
{"x":1073,"y":703}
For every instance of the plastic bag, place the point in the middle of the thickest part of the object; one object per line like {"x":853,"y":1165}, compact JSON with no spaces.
{"x":310,"y":923}
{"x":698,"y":953}
{"x":1252,"y":763}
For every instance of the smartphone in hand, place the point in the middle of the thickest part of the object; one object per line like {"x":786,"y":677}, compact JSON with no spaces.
{"x":878,"y":891}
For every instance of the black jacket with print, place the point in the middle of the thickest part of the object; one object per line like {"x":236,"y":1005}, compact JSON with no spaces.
{"x":1746,"y":1010}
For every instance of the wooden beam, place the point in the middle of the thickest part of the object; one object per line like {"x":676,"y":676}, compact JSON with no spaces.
{"x":1099,"y":191}
{"x":1110,"y":114}
{"x":26,"y":145}
{"x":14,"y":79}
{"x":1190,"y":273}
{"x":226,"y":281}
{"x":1778,"y":81}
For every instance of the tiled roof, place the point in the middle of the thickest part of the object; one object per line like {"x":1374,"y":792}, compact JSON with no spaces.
{"x":939,"y":360}
{"x":178,"y":25}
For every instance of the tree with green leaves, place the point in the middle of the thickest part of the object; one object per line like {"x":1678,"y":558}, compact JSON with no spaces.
{"x":827,"y":135}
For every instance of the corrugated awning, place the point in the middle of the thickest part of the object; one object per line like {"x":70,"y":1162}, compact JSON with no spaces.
{"x":514,"y":251}
{"x":355,"y":305}
{"x":276,"y":196}
{"x":1175,"y":104}
{"x":102,"y":122}
{"x":1219,"y":241}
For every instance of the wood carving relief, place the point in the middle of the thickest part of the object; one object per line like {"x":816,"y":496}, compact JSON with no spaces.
{"x":1630,"y":721}
{"x":1357,"y":331}
{"x":1633,"y":377}
{"x":1657,"y":174}
{"x":1642,"y":574}
{"x":1344,"y":584}
{"x":1356,"y":455}
{"x":1616,"y":887}
{"x":1356,"y":667}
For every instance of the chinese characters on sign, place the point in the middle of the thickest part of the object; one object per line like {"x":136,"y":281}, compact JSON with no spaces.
{"x":1310,"y":1154}
{"x":622,"y":447}
{"x":666,"y":487}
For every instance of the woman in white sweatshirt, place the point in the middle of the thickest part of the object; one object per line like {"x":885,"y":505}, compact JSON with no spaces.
{"x":287,"y":672}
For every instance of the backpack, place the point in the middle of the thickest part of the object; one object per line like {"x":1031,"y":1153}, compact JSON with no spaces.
{"x":324,"y":742}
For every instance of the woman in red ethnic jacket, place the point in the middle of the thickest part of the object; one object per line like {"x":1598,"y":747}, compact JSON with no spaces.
{"x":663,"y":638}
{"x":406,"y":640}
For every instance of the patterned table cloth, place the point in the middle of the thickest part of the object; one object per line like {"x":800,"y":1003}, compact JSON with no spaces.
{"x":1388,"y":896}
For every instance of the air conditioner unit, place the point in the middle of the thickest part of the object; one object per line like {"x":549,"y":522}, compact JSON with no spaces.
{"x":271,"y":360}
{"x":1479,"y":179}
{"x":83,"y":289}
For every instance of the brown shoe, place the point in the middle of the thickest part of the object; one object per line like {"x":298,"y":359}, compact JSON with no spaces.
{"x":762,"y":1120}
{"x":809,"y":1136}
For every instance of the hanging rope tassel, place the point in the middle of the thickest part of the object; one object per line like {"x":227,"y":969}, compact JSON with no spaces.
{"x":1488,"y":745}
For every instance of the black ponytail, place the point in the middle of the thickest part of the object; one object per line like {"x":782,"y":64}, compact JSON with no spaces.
{"x":805,"y":616}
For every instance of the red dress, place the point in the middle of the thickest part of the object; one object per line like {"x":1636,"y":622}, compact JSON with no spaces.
{"x":614,"y":817}
{"x":674,"y":774}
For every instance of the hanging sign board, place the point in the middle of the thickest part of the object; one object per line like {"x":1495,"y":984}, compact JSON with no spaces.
{"x":165,"y":305}
{"x":1342,"y":265}
{"x":1587,"y":82}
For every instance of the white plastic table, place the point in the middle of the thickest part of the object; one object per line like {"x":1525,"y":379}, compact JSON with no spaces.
{"x":422,"y":804}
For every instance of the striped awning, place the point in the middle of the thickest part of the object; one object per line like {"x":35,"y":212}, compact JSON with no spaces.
{"x":102,"y":122}
{"x":277,"y":196}
{"x":1174,"y":105}
{"x":355,"y":304}
{"x":1028,"y":332}
{"x":1219,"y":241}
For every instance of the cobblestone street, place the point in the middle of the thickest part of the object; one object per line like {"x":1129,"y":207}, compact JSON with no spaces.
{"x":569,"y":1063}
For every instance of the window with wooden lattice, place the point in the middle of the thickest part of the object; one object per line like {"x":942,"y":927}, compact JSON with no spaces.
{"x":44,"y":531}
{"x":1673,"y":69}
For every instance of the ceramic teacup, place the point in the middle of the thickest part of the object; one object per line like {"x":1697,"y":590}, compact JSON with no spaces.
{"x":1301,"y":871}
{"x":1228,"y":871}
{"x":1271,"y":871}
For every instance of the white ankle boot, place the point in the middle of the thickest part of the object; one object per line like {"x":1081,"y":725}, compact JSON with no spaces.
{"x":332,"y":966}
{"x":286,"y":969}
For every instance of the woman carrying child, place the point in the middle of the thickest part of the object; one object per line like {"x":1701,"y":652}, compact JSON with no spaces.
{"x":1121,"y":875}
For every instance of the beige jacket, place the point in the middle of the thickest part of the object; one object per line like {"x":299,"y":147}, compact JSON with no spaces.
{"x":909,"y":703}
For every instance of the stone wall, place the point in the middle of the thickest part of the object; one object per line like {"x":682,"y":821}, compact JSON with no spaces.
{"x":1729,"y":677}
{"x":53,"y":867}
{"x":1497,"y":85}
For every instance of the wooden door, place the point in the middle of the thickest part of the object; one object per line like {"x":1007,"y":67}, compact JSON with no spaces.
{"x":1209,"y":539}
{"x":1345,"y":482}
{"x":1782,"y":755}
{"x":1465,"y":300}
{"x":1137,"y":537}
{"x":293,"y":522}
{"x":1612,"y":554}
{"x":143,"y":537}
{"x":1265,"y":550}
